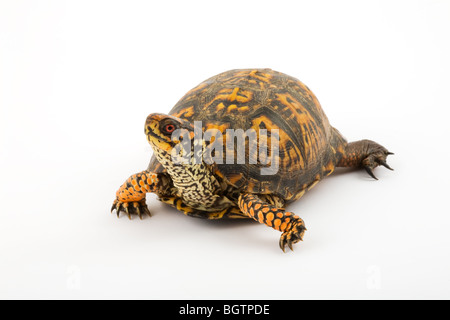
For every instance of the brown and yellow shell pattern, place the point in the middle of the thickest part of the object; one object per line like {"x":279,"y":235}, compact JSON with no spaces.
{"x":309,"y":147}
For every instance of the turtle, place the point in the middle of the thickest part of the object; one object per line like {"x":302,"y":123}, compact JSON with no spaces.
{"x":256,"y":108}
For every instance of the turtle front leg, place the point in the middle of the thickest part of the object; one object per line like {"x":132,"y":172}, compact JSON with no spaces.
{"x":130,"y":198}
{"x":291,"y":226}
{"x":365,"y":154}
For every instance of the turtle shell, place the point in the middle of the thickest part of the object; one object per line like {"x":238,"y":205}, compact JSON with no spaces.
{"x":309,"y":147}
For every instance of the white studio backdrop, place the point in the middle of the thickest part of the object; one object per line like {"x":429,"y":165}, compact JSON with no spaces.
{"x":78,"y":79}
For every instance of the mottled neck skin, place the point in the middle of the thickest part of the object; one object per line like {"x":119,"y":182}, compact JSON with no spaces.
{"x":195,"y":183}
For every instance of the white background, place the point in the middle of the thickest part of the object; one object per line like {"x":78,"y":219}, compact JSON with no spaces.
{"x":78,"y":79}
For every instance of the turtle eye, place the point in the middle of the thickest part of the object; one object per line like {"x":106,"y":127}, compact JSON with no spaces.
{"x":169,"y":128}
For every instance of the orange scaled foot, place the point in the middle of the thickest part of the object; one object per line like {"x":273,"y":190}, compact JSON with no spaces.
{"x":130,"y":198}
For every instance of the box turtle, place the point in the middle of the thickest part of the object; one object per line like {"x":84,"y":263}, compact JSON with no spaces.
{"x":254,"y":108}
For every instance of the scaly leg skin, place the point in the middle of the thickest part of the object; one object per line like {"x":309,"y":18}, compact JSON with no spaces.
{"x":365,"y":154}
{"x":130,"y":198}
{"x":292,"y":226}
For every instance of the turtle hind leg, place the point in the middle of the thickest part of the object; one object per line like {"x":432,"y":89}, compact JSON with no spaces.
{"x":365,"y":154}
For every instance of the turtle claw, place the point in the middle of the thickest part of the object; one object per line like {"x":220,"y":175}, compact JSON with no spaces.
{"x":138,"y":212}
{"x":133,"y":207}
{"x":290,"y":246}
{"x":138,"y":209}
{"x":384,"y":164}
{"x":375,"y":159}
{"x":127,"y":211}
{"x":292,"y":235}
{"x":117,"y":205}
{"x":144,"y":209}
{"x":370,"y":172}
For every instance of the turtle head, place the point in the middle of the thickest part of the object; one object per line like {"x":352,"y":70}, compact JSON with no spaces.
{"x":164,"y":133}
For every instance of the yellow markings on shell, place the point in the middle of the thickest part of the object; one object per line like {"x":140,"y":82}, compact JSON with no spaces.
{"x":299,"y":195}
{"x":233,"y":95}
{"x":180,"y":207}
{"x":292,"y":104}
{"x":185,"y":112}
{"x":219,"y":127}
{"x":329,"y":168}
{"x":168,"y":200}
{"x":231,"y":108}
{"x":220,"y":106}
{"x":217,"y":215}
{"x":220,"y":174}
{"x":257,"y":74}
{"x":235,"y":178}
{"x":236,"y":213}
{"x":251,"y":185}
{"x":240,"y":95}
{"x":189,"y":112}
{"x":312,"y":185}
{"x":341,"y":149}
